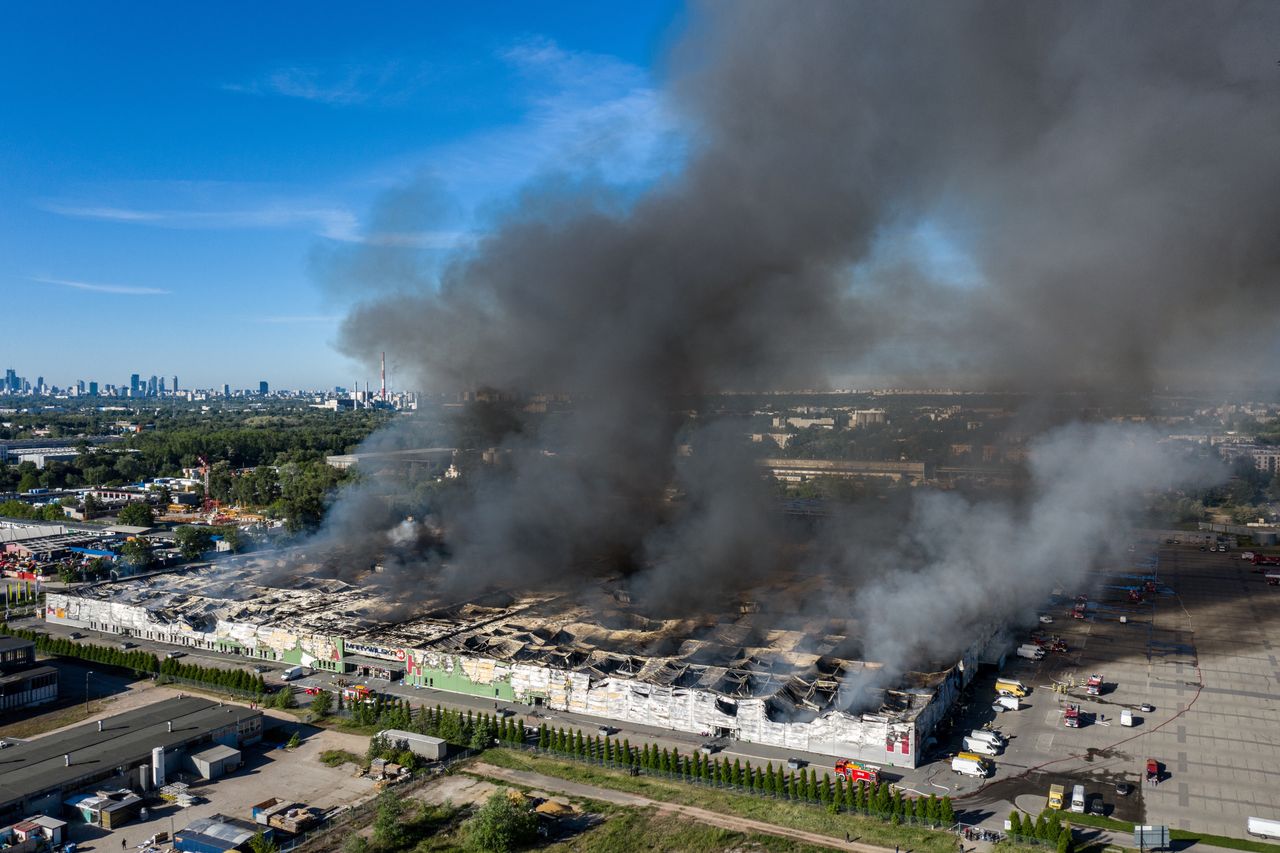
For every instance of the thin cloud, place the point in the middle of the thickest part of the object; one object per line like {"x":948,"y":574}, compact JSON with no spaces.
{"x":343,"y":85}
{"x":118,"y":289}
{"x":334,"y":222}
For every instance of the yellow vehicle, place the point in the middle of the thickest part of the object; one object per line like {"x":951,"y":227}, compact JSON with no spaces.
{"x":1056,"y":794}
{"x":973,"y":756}
{"x":1009,"y":687}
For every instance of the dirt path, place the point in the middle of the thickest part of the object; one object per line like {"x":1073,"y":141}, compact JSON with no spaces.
{"x":730,"y":822}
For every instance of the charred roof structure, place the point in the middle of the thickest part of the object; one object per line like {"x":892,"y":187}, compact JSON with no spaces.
{"x":762,"y":676}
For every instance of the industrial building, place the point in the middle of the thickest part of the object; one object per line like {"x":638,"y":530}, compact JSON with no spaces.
{"x":22,"y":683}
{"x":95,"y":766}
{"x":768,"y":677}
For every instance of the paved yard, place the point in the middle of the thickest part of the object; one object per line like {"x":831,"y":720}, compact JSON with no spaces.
{"x":1201,"y":651}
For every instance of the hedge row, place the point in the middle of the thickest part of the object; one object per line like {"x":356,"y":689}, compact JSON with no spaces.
{"x":137,"y":660}
{"x":875,"y":800}
{"x":234,"y":679}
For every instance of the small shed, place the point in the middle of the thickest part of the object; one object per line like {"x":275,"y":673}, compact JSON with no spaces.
{"x":216,"y":761}
{"x":426,"y":746}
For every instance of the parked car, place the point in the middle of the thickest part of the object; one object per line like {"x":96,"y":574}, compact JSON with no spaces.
{"x":261,"y":669}
{"x":606,"y":731}
{"x":76,"y":635}
{"x":175,"y":654}
{"x":125,"y":646}
{"x":709,"y":748}
{"x":796,"y":763}
{"x":1124,"y":789}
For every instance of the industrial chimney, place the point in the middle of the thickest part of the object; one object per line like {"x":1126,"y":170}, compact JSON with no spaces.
{"x":66,"y":759}
{"x":383,"y":393}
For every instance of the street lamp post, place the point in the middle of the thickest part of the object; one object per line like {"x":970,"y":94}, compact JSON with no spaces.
{"x":86,"y":691}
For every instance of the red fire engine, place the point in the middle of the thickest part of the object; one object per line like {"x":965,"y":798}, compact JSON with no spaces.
{"x":856,"y":771}
{"x":1071,"y":717}
{"x":357,"y":693}
{"x":1135,"y":597}
{"x":1094,"y":685}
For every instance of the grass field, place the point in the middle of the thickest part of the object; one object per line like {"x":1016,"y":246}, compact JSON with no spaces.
{"x":51,"y":720}
{"x":778,"y":812}
{"x":627,"y":830}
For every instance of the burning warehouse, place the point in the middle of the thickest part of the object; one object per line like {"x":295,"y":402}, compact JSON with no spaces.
{"x":762,"y":677}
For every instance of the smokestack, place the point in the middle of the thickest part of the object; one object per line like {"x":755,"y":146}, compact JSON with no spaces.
{"x":383,"y":393}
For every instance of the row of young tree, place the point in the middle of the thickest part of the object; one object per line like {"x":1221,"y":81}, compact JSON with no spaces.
{"x":139,"y":661}
{"x":877,"y":800}
{"x":1045,"y":829}
{"x":237,"y":680}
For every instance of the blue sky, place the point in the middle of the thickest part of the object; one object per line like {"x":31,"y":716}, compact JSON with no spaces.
{"x":167,"y":172}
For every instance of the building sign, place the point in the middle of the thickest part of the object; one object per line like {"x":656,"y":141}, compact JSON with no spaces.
{"x":373,"y":651}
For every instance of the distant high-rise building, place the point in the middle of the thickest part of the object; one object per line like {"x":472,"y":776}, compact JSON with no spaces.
{"x":152,"y":386}
{"x":226,"y":390}
{"x":93,"y":389}
{"x":161,"y":386}
{"x":135,"y":382}
{"x":79,"y":386}
{"x":262,"y":388}
{"x":11,"y":383}
{"x":175,"y":383}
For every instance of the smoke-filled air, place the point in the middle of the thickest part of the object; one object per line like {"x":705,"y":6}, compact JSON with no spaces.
{"x":1107,"y":169}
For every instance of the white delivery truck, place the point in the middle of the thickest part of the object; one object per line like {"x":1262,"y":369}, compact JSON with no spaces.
{"x":982,"y":747}
{"x":1264,"y":828}
{"x":991,"y":737}
{"x":293,"y":673}
{"x":1077,"y":799}
{"x":1126,"y":717}
{"x":1030,"y":651}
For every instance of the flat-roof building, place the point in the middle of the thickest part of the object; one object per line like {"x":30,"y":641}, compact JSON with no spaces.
{"x":39,"y":775}
{"x":753,"y":671}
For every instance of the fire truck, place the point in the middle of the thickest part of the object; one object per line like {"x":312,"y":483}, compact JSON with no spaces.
{"x":1071,"y":717}
{"x":856,"y":771}
{"x":357,"y":693}
{"x":1082,"y":603}
{"x":1135,"y":597}
{"x":1094,"y":686}
{"x":1265,"y":560}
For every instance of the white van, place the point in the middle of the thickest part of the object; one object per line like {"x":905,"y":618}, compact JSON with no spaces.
{"x":1007,"y":703}
{"x":293,"y":672}
{"x":969,"y":767}
{"x":993,"y":738}
{"x":1030,"y":651}
{"x":1126,"y":717}
{"x":1077,"y":799}
{"x":982,"y":747}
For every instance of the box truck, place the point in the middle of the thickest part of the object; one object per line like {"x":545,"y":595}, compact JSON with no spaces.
{"x":1009,"y":687}
{"x":981,"y":747}
{"x":1126,"y":717}
{"x":969,"y":765}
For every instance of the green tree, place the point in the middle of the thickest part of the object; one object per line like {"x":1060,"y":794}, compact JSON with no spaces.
{"x":501,"y":825}
{"x":193,"y":541}
{"x":261,"y":844}
{"x":1015,"y":825}
{"x":284,"y":699}
{"x":137,"y":514}
{"x":322,"y":703}
{"x":389,"y":829}
{"x":946,"y":812}
{"x":137,"y":553}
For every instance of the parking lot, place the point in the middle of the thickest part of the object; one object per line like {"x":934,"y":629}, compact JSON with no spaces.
{"x":1202,"y":651}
